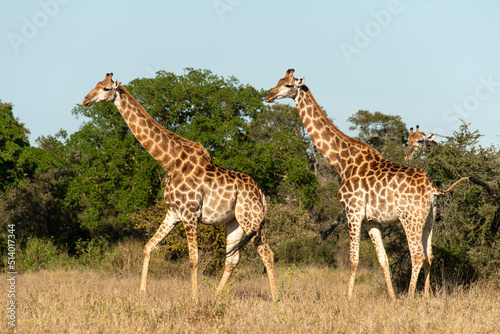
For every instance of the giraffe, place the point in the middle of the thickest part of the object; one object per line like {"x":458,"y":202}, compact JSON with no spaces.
{"x":374,"y":191}
{"x":196,"y":191}
{"x":418,"y":140}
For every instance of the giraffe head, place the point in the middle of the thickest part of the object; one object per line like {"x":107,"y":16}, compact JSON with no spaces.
{"x":419,"y":140}
{"x":104,"y":91}
{"x":286,"y":87}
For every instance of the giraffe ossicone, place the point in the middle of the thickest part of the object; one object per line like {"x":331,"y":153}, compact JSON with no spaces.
{"x":196,"y":191}
{"x":374,"y":191}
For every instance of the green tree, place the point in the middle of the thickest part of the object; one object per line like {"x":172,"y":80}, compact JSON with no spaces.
{"x":32,"y":188}
{"x":202,"y":107}
{"x":110,"y":176}
{"x":13,"y":139}
{"x":386,"y":133}
{"x":280,"y":156}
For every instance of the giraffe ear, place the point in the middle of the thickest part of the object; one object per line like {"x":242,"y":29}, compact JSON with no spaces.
{"x":300,"y":82}
{"x":115,"y":84}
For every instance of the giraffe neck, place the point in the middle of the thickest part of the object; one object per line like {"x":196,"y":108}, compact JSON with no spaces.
{"x":337,"y":148}
{"x":166,"y":147}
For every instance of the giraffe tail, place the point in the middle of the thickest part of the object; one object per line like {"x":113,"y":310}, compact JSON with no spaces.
{"x":442,"y":192}
{"x":241,"y":244}
{"x":472,"y":179}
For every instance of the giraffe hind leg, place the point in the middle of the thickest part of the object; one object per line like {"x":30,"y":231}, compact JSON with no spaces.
{"x":427,"y":245}
{"x":376,"y":237}
{"x":417,"y":254}
{"x":267,"y":256}
{"x":234,"y":238}
{"x":168,"y":224}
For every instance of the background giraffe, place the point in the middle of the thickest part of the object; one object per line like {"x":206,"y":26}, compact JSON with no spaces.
{"x":197,"y":190}
{"x":374,"y":191}
{"x":417,"y":140}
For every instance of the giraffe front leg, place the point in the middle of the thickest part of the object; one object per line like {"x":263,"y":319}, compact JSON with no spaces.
{"x":354,"y":223}
{"x":168,"y":224}
{"x":191,"y":234}
{"x":234,"y":235}
{"x":376,"y":237}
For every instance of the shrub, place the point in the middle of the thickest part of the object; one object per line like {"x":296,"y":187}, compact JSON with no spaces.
{"x":40,"y":254}
{"x":91,"y":253}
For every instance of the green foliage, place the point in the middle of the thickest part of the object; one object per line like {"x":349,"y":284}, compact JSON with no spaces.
{"x":110,"y":175}
{"x":386,"y":133}
{"x":13,"y":139}
{"x":279,"y":156}
{"x":200,"y":106}
{"x":36,"y":210}
{"x":90,"y":253}
{"x":294,"y":237}
{"x":285,"y":222}
{"x":328,"y":208}
{"x":40,"y":254}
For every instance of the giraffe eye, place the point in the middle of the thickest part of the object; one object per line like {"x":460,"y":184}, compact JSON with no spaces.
{"x":289,"y":86}
{"x":106,"y":89}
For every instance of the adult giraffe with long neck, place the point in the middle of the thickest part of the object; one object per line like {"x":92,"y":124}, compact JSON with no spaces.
{"x":197,"y":190}
{"x":374,"y":191}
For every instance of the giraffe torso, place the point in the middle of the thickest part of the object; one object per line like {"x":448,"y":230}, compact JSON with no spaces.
{"x":385,"y":191}
{"x":380,"y":190}
{"x":212,"y":193}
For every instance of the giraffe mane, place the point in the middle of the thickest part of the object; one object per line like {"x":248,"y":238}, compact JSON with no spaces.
{"x":335,"y":129}
{"x":183,"y":140}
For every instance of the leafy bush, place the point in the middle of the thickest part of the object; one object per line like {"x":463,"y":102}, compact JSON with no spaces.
{"x":294,"y":237}
{"x":40,"y":254}
{"x":91,"y":253}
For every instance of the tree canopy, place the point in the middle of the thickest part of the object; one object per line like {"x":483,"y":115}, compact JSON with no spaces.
{"x":13,"y":139}
{"x":386,"y":133}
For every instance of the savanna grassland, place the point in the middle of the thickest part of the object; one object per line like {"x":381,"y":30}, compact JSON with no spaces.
{"x":313,"y":301}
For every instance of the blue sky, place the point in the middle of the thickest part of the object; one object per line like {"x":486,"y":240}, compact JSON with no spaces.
{"x":431,"y":62}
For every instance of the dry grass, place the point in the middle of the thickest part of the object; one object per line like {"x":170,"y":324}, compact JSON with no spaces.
{"x":313,"y":301}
